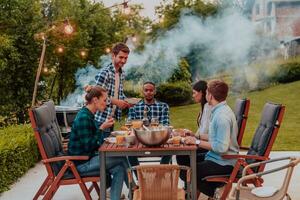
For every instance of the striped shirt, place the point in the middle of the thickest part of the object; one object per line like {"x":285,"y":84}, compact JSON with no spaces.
{"x":157,"y":110}
{"x":106,"y":79}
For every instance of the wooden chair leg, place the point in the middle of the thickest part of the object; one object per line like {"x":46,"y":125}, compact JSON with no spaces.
{"x":226,"y":191}
{"x":80,"y":182}
{"x":96,"y":188}
{"x":43,"y":188}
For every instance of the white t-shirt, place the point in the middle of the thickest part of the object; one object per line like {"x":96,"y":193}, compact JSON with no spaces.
{"x":204,"y":123}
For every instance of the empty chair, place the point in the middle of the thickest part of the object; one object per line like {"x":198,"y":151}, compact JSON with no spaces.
{"x":245,"y":192}
{"x":241,"y":111}
{"x":60,"y":168}
{"x":159,"y":182}
{"x":259,"y":150}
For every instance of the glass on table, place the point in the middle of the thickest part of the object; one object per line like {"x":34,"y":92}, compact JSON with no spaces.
{"x":128,"y":123}
{"x":154,"y":122}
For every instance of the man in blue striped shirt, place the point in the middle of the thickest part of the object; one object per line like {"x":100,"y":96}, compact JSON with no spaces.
{"x":154,"y":109}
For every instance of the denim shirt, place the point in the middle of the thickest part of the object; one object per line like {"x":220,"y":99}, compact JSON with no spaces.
{"x":222,"y":134}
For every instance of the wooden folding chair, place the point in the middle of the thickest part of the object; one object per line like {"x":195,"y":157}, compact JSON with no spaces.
{"x":244,"y":192}
{"x":60,"y":168}
{"x":259,"y":150}
{"x":241,"y":111}
{"x":159,"y":182}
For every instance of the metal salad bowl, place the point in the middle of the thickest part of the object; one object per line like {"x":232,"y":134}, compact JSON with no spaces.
{"x":152,"y":136}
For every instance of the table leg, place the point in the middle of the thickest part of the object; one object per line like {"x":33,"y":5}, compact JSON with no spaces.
{"x":194,"y":174}
{"x":102,"y":175}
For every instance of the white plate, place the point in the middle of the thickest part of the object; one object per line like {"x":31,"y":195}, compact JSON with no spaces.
{"x":132,"y":101}
{"x":115,"y":133}
{"x":266,"y":191}
{"x":110,"y":139}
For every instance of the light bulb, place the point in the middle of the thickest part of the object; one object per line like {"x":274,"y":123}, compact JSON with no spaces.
{"x":68,"y":29}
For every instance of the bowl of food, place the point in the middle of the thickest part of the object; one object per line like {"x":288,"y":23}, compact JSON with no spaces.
{"x":152,"y":136}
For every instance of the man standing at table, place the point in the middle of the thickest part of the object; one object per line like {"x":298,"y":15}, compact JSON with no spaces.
{"x":111,"y":78}
{"x":154,"y":109}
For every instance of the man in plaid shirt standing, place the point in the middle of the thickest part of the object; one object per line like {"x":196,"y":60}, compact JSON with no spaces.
{"x":111,"y":78}
{"x":154,"y":109}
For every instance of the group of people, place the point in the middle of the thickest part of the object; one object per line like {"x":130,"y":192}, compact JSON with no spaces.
{"x":216,"y":134}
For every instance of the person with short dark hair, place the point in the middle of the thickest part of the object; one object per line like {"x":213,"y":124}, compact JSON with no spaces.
{"x":86,"y":138}
{"x":222,"y":138}
{"x":154,"y":109}
{"x":111,"y":78}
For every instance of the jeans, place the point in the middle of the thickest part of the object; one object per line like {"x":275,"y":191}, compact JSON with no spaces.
{"x":117,"y":167}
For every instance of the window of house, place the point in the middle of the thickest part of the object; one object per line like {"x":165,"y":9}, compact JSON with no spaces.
{"x":269,"y":8}
{"x":257,"y":9}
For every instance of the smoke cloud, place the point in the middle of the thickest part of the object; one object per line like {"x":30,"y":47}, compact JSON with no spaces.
{"x":217,"y":43}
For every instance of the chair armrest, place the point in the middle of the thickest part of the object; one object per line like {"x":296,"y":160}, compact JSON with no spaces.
{"x":61,"y":158}
{"x":265,"y":162}
{"x":236,"y":156}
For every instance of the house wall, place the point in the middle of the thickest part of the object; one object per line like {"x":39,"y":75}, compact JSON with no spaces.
{"x":288,"y":20}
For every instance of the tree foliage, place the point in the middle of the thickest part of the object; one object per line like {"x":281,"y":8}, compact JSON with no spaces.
{"x":95,"y":29}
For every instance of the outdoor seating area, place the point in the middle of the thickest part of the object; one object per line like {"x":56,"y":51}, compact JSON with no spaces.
{"x":158,"y":181}
{"x":149,"y":99}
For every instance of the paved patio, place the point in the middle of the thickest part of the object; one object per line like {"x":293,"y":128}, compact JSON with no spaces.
{"x":27,"y":186}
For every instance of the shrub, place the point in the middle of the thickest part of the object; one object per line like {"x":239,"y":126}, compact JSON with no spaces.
{"x":179,"y":93}
{"x":289,"y":72}
{"x":18,"y":152}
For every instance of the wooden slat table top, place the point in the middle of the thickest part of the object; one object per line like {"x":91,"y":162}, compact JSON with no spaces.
{"x":140,"y":147}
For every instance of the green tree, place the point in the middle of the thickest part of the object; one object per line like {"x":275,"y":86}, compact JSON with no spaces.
{"x":19,"y":21}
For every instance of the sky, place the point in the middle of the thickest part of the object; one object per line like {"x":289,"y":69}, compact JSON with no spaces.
{"x":149,"y":6}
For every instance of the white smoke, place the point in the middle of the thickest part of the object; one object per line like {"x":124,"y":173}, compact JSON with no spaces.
{"x":227,"y":40}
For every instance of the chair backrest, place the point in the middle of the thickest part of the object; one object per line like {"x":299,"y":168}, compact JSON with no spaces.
{"x":159,"y":182}
{"x":47,"y":133}
{"x":241,"y":111}
{"x":266,"y":131}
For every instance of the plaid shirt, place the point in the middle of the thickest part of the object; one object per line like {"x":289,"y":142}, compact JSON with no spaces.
{"x":85,"y":137}
{"x":106,"y":79}
{"x":158,"y":110}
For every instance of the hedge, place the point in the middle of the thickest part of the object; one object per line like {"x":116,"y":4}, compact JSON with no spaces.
{"x":289,"y":72}
{"x":18,"y":153}
{"x":179,"y":93}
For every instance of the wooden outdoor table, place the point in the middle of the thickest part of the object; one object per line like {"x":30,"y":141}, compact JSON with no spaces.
{"x":110,"y":150}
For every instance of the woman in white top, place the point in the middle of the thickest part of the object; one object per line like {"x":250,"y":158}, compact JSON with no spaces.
{"x":199,"y":93}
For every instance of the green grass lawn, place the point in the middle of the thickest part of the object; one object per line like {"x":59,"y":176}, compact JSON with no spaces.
{"x":287,"y":94}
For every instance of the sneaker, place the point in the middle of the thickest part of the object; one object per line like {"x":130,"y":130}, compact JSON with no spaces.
{"x":218,"y":193}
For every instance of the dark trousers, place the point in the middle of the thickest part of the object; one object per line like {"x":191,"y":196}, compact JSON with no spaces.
{"x":185,"y":160}
{"x":209,"y":168}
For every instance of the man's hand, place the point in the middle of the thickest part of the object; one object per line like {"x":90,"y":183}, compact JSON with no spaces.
{"x":108,"y":123}
{"x":120,"y":103}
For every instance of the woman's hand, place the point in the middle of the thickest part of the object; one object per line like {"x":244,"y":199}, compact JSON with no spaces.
{"x":108,"y":123}
{"x":190,"y":140}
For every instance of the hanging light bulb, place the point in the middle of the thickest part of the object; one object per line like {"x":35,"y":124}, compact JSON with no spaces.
{"x":45,"y":69}
{"x":68,"y":28}
{"x":83,"y":53}
{"x":107,"y":50}
{"x":134,"y":39}
{"x":60,"y":49}
{"x":126,"y":8}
